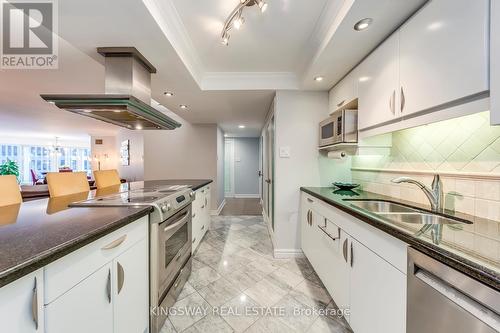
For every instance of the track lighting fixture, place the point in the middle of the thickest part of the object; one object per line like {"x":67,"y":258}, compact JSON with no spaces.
{"x":236,"y":19}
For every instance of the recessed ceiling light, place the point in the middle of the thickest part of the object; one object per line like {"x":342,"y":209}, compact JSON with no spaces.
{"x":168,"y":93}
{"x":183,"y":106}
{"x":363,"y":24}
{"x":138,"y":127}
{"x":241,"y":126}
{"x":52,"y":102}
{"x":117,"y":111}
{"x":318,"y":78}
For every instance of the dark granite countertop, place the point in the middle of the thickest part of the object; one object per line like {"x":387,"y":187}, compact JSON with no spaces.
{"x":473,"y":249}
{"x":35,"y":233}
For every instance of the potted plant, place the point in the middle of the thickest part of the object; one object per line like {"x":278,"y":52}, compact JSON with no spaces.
{"x":9,"y":168}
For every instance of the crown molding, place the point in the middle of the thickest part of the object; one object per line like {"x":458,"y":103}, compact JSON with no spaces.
{"x":250,"y":81}
{"x":166,"y":16}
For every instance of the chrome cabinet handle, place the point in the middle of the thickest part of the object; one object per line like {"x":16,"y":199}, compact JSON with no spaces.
{"x":108,"y":286}
{"x":341,"y":103}
{"x":193,"y":216}
{"x":178,"y":257}
{"x":114,"y":243}
{"x":206,"y":201}
{"x":121,"y":276}
{"x":202,"y":227}
{"x":352,"y":256}
{"x":310,"y":200}
{"x":34,"y":304}
{"x":344,"y":250}
{"x":176,"y":224}
{"x":334,"y":238}
{"x":403,"y":99}
{"x":194,"y":240}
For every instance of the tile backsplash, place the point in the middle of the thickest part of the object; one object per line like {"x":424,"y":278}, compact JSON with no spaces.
{"x":465,"y":151}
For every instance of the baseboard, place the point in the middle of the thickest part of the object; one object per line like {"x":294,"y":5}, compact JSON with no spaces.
{"x":269,"y":228}
{"x":288,"y":253}
{"x":247,"y":196}
{"x":219,"y":209}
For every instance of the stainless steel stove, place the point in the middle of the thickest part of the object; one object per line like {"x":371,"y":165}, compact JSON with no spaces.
{"x":170,"y":240}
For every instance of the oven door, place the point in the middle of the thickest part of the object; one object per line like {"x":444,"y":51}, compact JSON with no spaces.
{"x":327,"y":131}
{"x":174,"y":247}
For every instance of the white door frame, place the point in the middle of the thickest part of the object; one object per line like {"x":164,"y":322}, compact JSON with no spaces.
{"x":232,"y":165}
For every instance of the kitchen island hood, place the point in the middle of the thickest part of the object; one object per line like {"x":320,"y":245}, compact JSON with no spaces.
{"x":127,"y":97}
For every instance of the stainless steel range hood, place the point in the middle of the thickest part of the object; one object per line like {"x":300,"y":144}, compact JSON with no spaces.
{"x":127,"y":97}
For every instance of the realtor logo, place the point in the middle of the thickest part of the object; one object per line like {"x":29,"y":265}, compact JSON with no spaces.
{"x":29,"y":34}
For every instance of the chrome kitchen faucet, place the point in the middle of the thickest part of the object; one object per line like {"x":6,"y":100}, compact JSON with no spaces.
{"x":434,"y":194}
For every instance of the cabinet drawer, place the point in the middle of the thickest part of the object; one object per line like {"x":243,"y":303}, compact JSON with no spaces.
{"x":65,"y":273}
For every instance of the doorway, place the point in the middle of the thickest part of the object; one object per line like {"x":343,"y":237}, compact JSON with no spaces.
{"x":241,"y":176}
{"x":267,"y":179}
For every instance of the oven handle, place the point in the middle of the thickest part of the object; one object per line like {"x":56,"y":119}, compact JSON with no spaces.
{"x":178,"y":223}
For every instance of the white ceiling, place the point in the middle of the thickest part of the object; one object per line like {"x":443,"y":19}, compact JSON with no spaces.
{"x":280,"y":49}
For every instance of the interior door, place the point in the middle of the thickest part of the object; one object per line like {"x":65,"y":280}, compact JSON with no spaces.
{"x":270,"y":171}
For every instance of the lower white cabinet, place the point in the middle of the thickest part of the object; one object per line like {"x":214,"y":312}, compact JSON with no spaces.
{"x":21,"y":305}
{"x":378,"y":293}
{"x":370,"y":290}
{"x":85,"y":308}
{"x":200,"y":215}
{"x":131,"y":290}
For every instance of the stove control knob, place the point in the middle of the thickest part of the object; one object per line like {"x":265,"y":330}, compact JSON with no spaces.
{"x":165,"y":208}
{"x":191,"y":194}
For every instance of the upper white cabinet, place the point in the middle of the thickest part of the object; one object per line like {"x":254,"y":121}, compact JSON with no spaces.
{"x":21,"y":305}
{"x":378,"y":85}
{"x":444,"y":54}
{"x":378,"y":293}
{"x":495,"y":62}
{"x":343,"y":92}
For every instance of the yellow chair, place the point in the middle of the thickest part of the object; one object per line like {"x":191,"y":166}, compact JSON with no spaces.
{"x":65,"y":183}
{"x":9,"y":191}
{"x":106,"y":178}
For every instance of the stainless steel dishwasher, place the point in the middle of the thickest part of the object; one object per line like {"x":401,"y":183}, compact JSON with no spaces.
{"x":442,"y":299}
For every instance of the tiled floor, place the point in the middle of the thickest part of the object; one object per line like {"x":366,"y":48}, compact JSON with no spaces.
{"x":237,"y":286}
{"x":242,"y":206}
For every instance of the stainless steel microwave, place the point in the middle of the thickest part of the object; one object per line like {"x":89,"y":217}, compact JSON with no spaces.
{"x":340,"y":127}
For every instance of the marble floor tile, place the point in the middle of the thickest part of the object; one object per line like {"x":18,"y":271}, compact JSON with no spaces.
{"x":234,"y":271}
{"x":265,"y":292}
{"x":188,"y":311}
{"x":238,"y":312}
{"x":210,"y":323}
{"x":268,"y":325}
{"x":219,"y":292}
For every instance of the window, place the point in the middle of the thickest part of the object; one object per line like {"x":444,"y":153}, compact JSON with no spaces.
{"x":43,"y":159}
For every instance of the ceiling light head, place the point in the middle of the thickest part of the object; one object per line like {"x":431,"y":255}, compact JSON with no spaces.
{"x":262,"y":5}
{"x":363,"y":24}
{"x":318,"y":78}
{"x":225,"y":39}
{"x":238,"y":22}
{"x":138,"y":127}
{"x":241,"y":126}
{"x":183,"y":106}
{"x":168,"y":93}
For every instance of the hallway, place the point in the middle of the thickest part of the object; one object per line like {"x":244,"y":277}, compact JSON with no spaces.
{"x":242,"y":206}
{"x":237,"y":286}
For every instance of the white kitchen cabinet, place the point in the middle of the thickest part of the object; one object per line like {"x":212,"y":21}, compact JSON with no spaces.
{"x":21,"y":306}
{"x":444,"y":54}
{"x":307,"y":242}
{"x":200,"y":215}
{"x":378,"y":293}
{"x":495,"y":62}
{"x":131,"y":290}
{"x":378,"y":85}
{"x":332,"y":261}
{"x":85,"y":308}
{"x":343,"y":92}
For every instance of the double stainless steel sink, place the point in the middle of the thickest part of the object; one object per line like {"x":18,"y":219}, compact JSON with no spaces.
{"x":401,"y":213}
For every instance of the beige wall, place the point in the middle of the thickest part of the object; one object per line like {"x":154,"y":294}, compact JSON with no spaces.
{"x":107,"y":148}
{"x":188,"y":152}
{"x":134,"y":171}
